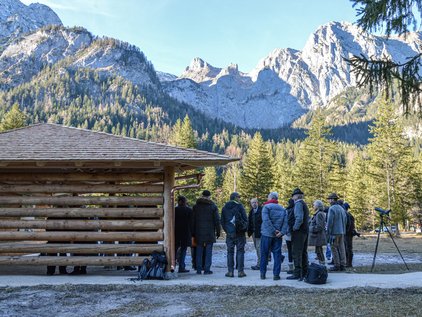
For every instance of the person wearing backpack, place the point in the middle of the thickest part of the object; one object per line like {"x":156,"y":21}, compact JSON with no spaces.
{"x":235,"y":224}
{"x":273,"y":228}
{"x":205,"y":229}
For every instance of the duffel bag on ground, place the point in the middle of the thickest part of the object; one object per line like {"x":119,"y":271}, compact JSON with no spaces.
{"x":317,"y":274}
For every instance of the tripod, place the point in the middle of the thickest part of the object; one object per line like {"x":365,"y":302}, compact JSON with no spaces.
{"x":381,"y":227}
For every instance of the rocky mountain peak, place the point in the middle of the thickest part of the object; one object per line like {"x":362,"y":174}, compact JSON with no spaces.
{"x":199,"y":71}
{"x":17,"y":18}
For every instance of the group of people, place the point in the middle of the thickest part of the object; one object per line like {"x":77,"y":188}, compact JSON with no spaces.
{"x":199,"y":228}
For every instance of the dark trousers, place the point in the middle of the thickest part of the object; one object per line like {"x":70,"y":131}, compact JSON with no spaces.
{"x":207,"y":249}
{"x":300,"y":253}
{"x":289,"y":250}
{"x":348,"y":243}
{"x":274,"y":244}
{"x":181,"y":255}
{"x":239,"y":242}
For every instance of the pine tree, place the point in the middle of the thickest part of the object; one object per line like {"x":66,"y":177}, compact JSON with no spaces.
{"x":13,"y":119}
{"x":314,"y":159}
{"x":283,"y":177}
{"x":187,"y":135}
{"x":391,"y":164}
{"x":257,"y":177}
{"x":231,"y":176}
{"x":357,"y":192}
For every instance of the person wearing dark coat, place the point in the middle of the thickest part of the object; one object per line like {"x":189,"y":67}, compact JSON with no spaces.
{"x":183,"y":232}
{"x":206,"y":228}
{"x":299,"y":227}
{"x":254,"y":229}
{"x":350,"y":233}
{"x":288,"y":237}
{"x":317,"y":236}
{"x":235,"y":238}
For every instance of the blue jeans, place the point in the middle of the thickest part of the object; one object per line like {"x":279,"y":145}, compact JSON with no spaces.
{"x":200,"y":249}
{"x":273,"y":244}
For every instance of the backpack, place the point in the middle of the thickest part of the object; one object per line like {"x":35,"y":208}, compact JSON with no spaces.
{"x":143,"y":269}
{"x":153,"y":268}
{"x":240,"y":223}
{"x":317,"y":274}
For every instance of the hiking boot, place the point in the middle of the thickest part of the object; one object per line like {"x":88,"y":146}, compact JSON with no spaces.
{"x":229,"y":274}
{"x":342,"y":268}
{"x":129,"y":268}
{"x":208,"y":272}
{"x":276,"y":277}
{"x":293,"y":277}
{"x":290,"y":272}
{"x":183,"y":271}
{"x":198,"y":272}
{"x":262,"y":276}
{"x":255,"y":267}
{"x":335,"y":269}
{"x":241,"y":274}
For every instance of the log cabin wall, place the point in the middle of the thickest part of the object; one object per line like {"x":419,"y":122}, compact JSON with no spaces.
{"x":82,"y":214}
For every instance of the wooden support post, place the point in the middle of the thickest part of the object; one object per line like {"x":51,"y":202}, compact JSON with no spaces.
{"x":169,"y":217}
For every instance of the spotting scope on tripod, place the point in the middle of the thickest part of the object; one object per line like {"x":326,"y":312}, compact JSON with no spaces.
{"x":384,"y":213}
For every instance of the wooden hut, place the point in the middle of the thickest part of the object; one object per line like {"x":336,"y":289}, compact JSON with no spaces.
{"x":80,"y":192}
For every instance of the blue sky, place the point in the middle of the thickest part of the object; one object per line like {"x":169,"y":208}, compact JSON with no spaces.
{"x":172,"y":32}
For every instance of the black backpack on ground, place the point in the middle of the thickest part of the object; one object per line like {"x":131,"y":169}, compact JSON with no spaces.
{"x":153,"y":268}
{"x":317,"y":274}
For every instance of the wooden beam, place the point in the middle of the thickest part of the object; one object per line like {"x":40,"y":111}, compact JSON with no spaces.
{"x":144,"y":224}
{"x":81,"y":188}
{"x":79,"y":248}
{"x":83,"y":212}
{"x":80,"y":236}
{"x":81,"y":200}
{"x":63,"y":177}
{"x":72,"y":260}
{"x":169,"y":217}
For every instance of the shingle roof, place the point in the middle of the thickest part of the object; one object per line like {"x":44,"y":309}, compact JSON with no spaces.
{"x":52,"y":142}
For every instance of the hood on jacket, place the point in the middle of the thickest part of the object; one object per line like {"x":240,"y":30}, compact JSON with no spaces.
{"x":202,"y":200}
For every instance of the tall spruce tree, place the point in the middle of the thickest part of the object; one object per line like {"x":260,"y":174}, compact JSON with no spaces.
{"x":357,"y":192}
{"x":391,"y":164}
{"x":314,"y":159}
{"x":13,"y":119}
{"x":283,"y":178}
{"x":257,"y":177}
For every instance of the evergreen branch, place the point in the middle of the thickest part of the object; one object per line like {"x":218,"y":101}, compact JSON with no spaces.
{"x":381,"y":74}
{"x":393,"y":15}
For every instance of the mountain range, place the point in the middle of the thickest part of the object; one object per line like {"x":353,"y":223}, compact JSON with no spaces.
{"x":284,"y":86}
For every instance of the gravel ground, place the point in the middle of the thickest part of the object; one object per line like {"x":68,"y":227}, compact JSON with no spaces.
{"x":26,"y":291}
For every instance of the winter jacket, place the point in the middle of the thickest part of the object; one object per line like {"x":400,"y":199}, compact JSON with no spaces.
{"x":336,"y":220}
{"x":183,"y":226}
{"x":231,"y":210}
{"x":317,"y":236}
{"x":274,"y":217}
{"x":255,"y":222}
{"x":301,"y":214}
{"x":206,"y":221}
